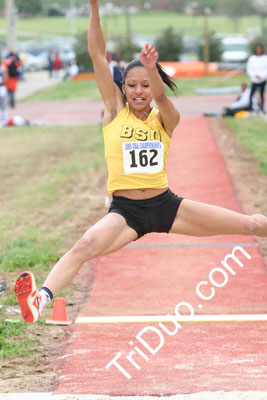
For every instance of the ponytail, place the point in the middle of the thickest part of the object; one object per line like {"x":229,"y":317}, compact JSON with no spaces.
{"x":167,"y":79}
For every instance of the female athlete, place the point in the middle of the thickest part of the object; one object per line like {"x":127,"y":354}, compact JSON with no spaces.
{"x":137,"y":138}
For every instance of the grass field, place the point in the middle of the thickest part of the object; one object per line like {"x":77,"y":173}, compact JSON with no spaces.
{"x":47,"y":177}
{"x":22,"y":346}
{"x":150,"y":23}
{"x":41,"y":170}
{"x":88,"y":89}
{"x":68,"y":90}
{"x":252,"y":134}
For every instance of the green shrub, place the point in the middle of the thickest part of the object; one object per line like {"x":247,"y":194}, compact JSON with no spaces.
{"x":126,"y":48}
{"x":169,"y":45}
{"x":83,"y":59}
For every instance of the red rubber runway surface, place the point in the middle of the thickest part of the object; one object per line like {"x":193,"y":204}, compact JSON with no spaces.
{"x":153,"y":275}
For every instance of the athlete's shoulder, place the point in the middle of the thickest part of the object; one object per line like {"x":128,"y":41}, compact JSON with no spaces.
{"x":118,"y":118}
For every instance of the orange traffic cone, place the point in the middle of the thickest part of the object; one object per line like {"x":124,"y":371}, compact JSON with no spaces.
{"x":59,"y":314}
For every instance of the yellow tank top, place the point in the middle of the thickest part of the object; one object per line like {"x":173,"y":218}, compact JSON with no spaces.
{"x":136,"y":152}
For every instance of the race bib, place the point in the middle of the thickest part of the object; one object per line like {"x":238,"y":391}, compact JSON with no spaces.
{"x":142,"y":157}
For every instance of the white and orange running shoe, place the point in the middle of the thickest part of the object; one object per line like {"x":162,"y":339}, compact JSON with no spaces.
{"x":28,"y":296}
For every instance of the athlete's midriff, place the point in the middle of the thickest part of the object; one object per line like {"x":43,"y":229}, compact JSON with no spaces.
{"x":139,"y":194}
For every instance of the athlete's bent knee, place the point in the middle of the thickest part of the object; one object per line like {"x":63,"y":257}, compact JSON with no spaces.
{"x":259,"y":225}
{"x":83,"y":249}
{"x":254,"y":224}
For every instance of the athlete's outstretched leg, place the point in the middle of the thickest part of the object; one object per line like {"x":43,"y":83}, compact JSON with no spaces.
{"x":106,"y":236}
{"x":200,"y":219}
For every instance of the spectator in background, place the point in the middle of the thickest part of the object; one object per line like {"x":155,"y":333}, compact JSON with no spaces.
{"x":3,"y":100}
{"x":56,"y":64}
{"x":242,"y":103}
{"x":50,"y":63}
{"x":72,"y":70}
{"x":18,"y":120}
{"x":22,"y":58}
{"x":117,"y":68}
{"x":12,"y":68}
{"x":257,"y":71}
{"x":109,"y":57}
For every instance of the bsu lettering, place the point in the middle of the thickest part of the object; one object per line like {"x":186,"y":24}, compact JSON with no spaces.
{"x":129,"y":132}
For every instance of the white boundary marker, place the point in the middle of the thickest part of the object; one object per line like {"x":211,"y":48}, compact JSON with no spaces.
{"x":165,"y":318}
{"x":218,"y":395}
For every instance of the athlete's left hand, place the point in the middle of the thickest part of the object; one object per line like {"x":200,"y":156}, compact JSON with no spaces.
{"x":149,"y":56}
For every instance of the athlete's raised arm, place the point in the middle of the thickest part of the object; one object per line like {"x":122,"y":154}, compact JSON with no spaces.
{"x":111,"y":95}
{"x":168,"y":114}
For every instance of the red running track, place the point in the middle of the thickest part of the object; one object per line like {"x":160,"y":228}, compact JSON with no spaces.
{"x":155,"y":274}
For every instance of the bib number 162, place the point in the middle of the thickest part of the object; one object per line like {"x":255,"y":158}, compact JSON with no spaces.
{"x":137,"y":159}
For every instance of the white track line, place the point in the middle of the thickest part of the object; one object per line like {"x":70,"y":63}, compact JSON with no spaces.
{"x":165,"y":318}
{"x":220,"y":395}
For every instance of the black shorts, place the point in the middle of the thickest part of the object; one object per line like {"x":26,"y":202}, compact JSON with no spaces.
{"x":150,"y":215}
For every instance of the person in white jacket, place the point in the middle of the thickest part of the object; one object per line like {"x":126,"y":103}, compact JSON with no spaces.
{"x":257,"y":71}
{"x":242,"y":103}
